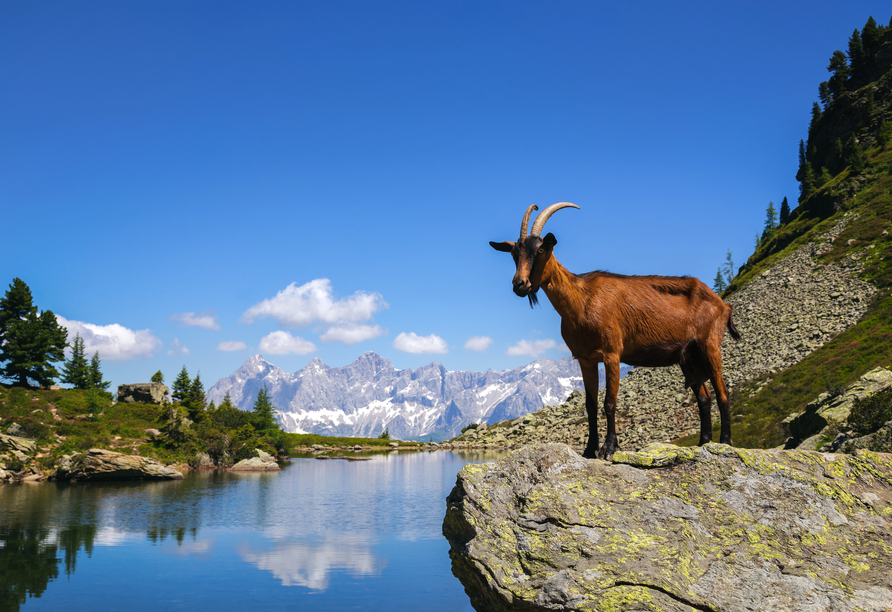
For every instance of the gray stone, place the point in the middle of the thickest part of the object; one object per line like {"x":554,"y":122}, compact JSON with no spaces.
{"x":17,"y":444}
{"x":14,"y":430}
{"x":100,"y":464}
{"x":669,"y":528}
{"x":145,"y":393}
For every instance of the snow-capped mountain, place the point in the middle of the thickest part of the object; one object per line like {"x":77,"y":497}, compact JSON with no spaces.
{"x":369,"y":395}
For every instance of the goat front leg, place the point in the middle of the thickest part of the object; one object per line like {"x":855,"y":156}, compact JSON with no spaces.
{"x":611,"y":445}
{"x":590,"y":381}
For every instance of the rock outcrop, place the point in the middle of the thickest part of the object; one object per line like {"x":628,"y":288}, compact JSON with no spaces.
{"x":263,"y":462}
{"x":144,"y":393}
{"x":825,"y":420}
{"x":100,"y":464}
{"x":670,"y":528}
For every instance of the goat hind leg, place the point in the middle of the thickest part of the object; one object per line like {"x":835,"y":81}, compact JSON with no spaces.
{"x":704,"y":404}
{"x":611,"y":444}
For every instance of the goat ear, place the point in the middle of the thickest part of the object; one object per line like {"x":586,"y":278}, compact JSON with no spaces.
{"x":504,"y":247}
{"x":549,"y":240}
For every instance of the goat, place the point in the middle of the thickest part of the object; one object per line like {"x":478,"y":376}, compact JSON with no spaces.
{"x":647,"y":321}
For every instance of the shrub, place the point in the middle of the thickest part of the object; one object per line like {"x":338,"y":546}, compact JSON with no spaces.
{"x":871,"y":413}
{"x":469,"y":426}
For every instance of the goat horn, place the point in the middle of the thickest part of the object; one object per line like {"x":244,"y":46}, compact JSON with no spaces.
{"x":526,"y":220}
{"x":545,"y":214}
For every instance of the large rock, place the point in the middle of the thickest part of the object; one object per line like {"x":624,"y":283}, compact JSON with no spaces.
{"x":17,"y":444}
{"x":100,"y":464}
{"x":669,"y":528}
{"x":144,"y":393}
{"x":263,"y":462}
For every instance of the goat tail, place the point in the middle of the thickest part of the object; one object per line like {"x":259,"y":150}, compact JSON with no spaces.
{"x":734,"y":333}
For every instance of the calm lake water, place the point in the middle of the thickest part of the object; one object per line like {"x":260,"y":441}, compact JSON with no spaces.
{"x":319,"y":535}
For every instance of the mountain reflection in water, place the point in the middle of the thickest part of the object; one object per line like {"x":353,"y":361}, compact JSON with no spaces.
{"x":336,"y":535}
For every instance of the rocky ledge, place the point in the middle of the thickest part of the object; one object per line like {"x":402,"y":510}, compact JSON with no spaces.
{"x":100,"y":464}
{"x":263,"y":462}
{"x":671,"y":528}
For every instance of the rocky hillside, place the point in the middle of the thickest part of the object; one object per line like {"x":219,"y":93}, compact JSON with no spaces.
{"x":812,"y":303}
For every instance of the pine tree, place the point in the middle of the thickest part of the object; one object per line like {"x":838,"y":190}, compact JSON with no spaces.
{"x":837,"y":159}
{"x":870,"y":38}
{"x":855,"y":158}
{"x":75,"y":372}
{"x":816,"y":115}
{"x":95,"y":374}
{"x":158,"y":377}
{"x":784,"y":212}
{"x":181,"y":386}
{"x":802,"y":158}
{"x":718,"y":285}
{"x":15,"y":305}
{"x":839,"y":68}
{"x":807,"y":186}
{"x":824,"y":94}
{"x":770,"y":219}
{"x":856,"y":51}
{"x":263,"y":417}
{"x":195,"y":400}
{"x":30,"y":346}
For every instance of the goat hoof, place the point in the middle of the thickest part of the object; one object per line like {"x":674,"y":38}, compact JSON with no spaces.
{"x":590,"y":453}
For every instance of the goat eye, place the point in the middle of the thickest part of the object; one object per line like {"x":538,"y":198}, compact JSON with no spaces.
{"x":541,"y":251}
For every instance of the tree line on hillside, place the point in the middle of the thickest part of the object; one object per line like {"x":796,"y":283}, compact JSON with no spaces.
{"x":849,"y":71}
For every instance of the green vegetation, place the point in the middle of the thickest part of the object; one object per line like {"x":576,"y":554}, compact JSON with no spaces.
{"x":29,"y":342}
{"x":872,"y":412}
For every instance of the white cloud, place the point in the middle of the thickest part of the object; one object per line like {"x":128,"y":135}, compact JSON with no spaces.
{"x":297,"y":306}
{"x":232,"y":345}
{"x":283,"y":343}
{"x":113,"y":342}
{"x":190,"y":319}
{"x":478,"y":343}
{"x":176,"y":347}
{"x":533,"y":349}
{"x":351,"y":333}
{"x":413,"y":343}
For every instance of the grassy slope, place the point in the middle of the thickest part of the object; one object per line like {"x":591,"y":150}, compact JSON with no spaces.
{"x":759,"y":406}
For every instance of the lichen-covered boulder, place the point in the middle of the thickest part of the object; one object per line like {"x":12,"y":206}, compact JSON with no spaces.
{"x":144,"y":393}
{"x":669,"y":528}
{"x":100,"y":464}
{"x":17,"y":444}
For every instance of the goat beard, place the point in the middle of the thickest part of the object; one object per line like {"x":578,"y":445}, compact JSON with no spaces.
{"x":534,"y":299}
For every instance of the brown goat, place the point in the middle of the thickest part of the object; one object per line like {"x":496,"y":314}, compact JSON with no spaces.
{"x":648,"y":321}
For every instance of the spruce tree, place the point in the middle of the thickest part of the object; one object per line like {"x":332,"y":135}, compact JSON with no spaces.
{"x":855,"y":158}
{"x":15,"y":305}
{"x":195,"y":401}
{"x":718,"y":285}
{"x":770,"y":220}
{"x":728,"y":267}
{"x":158,"y":377}
{"x":263,"y":417}
{"x":807,"y":186}
{"x":839,"y":68}
{"x":95,"y":376}
{"x":837,"y":158}
{"x":856,"y":51}
{"x":870,"y":38}
{"x":784,"y":212}
{"x":75,"y":372}
{"x":815,"y":118}
{"x":824,"y":94}
{"x":29,"y":348}
{"x":181,"y":386}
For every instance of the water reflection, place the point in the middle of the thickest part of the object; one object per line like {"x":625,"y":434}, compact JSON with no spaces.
{"x":314,"y":526}
{"x":309,"y":564}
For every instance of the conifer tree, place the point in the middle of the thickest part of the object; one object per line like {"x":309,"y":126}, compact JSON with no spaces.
{"x":815,"y":118}
{"x":728,"y":267}
{"x":824,"y":94}
{"x":15,"y":305}
{"x":784,"y":212}
{"x":181,"y":386}
{"x":29,"y":348}
{"x":807,"y":186}
{"x":770,"y":219}
{"x":263,"y":417}
{"x":802,"y":158}
{"x":856,"y":52}
{"x":870,"y":38}
{"x":718,"y":285}
{"x":75,"y":372}
{"x":95,"y":374}
{"x":158,"y":377}
{"x":195,"y":401}
{"x":839,"y":69}
{"x":855,"y":158}
{"x":837,"y":158}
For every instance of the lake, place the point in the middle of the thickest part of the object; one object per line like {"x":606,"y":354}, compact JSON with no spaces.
{"x":319,"y":535}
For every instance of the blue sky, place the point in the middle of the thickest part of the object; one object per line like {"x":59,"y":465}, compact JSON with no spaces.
{"x":193,"y":183}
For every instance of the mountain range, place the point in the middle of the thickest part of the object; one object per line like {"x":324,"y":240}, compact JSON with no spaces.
{"x":369,"y":395}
